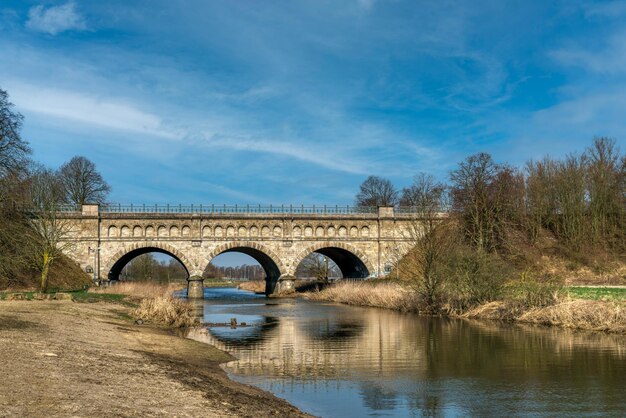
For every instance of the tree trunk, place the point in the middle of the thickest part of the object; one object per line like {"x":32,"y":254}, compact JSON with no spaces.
{"x":47,"y":260}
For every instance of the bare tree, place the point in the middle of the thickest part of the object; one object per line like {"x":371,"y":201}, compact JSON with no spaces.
{"x":428,"y":238}
{"x":13,"y":150}
{"x":141,"y":267}
{"x":377,"y":191}
{"x":318,"y":266}
{"x":82,"y":183}
{"x":424,"y":194}
{"x":541,"y":206}
{"x":470,"y":193}
{"x":13,"y":170}
{"x":146,"y":267}
{"x":488,"y":198}
{"x":606,"y":181}
{"x":571,"y":199}
{"x":47,"y":228}
{"x":211,"y":272}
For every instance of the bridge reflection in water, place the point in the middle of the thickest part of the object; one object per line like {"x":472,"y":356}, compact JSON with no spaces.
{"x":335,"y":360}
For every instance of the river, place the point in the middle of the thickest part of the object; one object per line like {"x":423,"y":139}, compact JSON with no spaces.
{"x":342,"y":361}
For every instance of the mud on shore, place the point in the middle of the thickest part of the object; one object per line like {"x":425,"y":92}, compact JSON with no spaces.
{"x":61,"y":358}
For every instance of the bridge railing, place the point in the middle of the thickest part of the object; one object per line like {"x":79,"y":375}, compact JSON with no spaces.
{"x":245,"y":209}
{"x":234,"y":209}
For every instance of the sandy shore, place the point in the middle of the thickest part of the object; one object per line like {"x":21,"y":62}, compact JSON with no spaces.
{"x":61,"y":358}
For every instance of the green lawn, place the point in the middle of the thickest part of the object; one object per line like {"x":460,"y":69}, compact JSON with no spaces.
{"x":29,"y":295}
{"x":598,"y":293}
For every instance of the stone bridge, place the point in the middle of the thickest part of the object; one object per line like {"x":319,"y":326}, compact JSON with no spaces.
{"x":362,"y":242}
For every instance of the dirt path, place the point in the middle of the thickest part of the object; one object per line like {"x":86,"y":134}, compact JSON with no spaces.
{"x":83,"y":360}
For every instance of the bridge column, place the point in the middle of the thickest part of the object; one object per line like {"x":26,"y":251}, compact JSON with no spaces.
{"x":286,"y":284}
{"x":195,"y":287}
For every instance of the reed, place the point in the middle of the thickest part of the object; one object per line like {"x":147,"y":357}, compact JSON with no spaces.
{"x":381,"y":295}
{"x":594,"y":315}
{"x":167,"y":311}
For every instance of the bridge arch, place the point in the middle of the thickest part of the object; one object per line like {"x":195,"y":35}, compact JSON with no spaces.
{"x":352,"y":262}
{"x":117,"y":262}
{"x":269,"y":261}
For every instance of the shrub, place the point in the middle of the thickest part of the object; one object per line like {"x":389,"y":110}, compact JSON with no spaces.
{"x":531,"y":290}
{"x":476,"y":277}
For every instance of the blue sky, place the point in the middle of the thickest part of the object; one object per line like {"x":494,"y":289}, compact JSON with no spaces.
{"x":297,"y":102}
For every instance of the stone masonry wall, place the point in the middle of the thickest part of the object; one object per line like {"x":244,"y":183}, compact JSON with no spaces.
{"x":378,"y":239}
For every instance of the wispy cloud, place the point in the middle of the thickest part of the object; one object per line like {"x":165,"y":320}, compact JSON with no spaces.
{"x":589,"y":114}
{"x":93,"y":110}
{"x":609,"y":58}
{"x":56,"y":19}
{"x":319,"y":156}
{"x":612,"y":9}
{"x":366,"y":5}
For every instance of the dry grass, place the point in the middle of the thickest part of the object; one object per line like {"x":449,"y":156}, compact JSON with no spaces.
{"x":594,"y":315}
{"x":606,"y":272}
{"x":380,"y":295}
{"x":257,"y":286}
{"x":497,"y":310}
{"x":166,"y":310}
{"x":156,"y":305}
{"x":140,"y":289}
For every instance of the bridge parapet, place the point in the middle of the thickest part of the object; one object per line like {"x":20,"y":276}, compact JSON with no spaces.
{"x":239,"y":210}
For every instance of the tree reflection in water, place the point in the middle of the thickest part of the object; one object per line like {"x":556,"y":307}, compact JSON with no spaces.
{"x":336,"y":360}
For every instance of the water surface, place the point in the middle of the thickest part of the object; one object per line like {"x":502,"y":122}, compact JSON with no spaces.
{"x":342,"y":361}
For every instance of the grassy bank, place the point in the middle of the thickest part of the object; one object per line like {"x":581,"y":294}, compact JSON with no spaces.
{"x":64,"y":274}
{"x":150,"y":302}
{"x":74,"y":295}
{"x":593,"y":315}
{"x":598,"y":309}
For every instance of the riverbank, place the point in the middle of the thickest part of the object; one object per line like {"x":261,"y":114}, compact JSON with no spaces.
{"x":62,"y":358}
{"x":300,"y":285}
{"x":568,"y":310}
